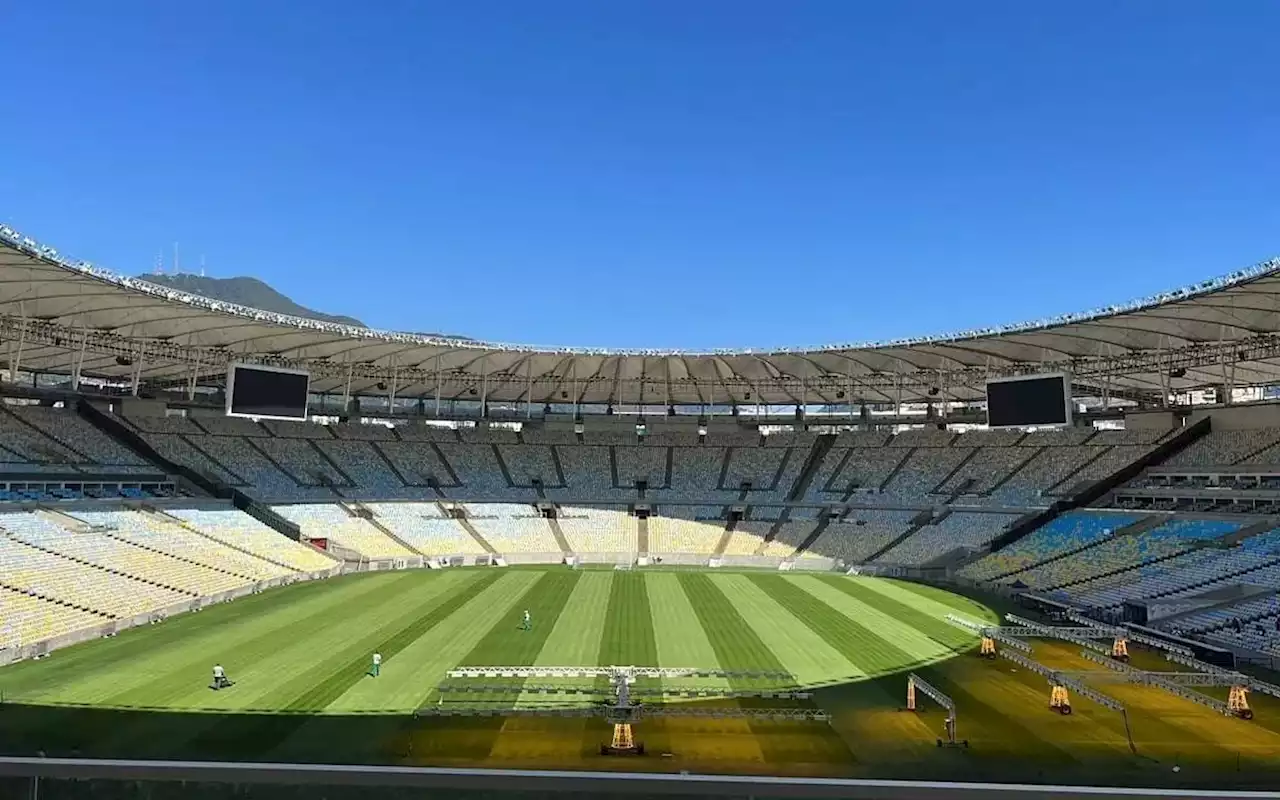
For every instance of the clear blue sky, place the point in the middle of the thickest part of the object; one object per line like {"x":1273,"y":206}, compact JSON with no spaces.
{"x":662,"y":173}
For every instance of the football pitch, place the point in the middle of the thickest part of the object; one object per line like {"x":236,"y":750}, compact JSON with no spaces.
{"x":300,"y":657}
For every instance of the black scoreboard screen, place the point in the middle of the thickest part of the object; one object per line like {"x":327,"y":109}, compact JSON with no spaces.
{"x":1035,"y":400}
{"x":267,"y":392}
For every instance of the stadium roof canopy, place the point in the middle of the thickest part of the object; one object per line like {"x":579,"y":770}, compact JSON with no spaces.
{"x":71,"y":317}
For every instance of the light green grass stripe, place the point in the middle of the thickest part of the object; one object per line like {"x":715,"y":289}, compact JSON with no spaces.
{"x":921,"y":601}
{"x":575,"y":639}
{"x":803,"y":653}
{"x":678,"y":634}
{"x":158,"y":662}
{"x":917,"y":645}
{"x":417,"y":669}
{"x":271,"y":680}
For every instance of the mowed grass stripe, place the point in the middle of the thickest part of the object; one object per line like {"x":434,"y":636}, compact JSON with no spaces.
{"x":737,"y":646}
{"x":862,"y":591}
{"x":802,"y":652}
{"x":628,"y":632}
{"x":154,"y":665}
{"x":506,"y":644}
{"x":878,"y":643}
{"x":413,"y":674}
{"x":329,"y":680}
{"x":922,"y":596}
{"x":269,"y":664}
{"x":680,"y":639}
{"x":574,"y":638}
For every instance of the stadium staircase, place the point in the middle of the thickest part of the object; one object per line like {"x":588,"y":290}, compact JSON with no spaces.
{"x":917,"y":522}
{"x":1233,"y":539}
{"x":813,"y":535}
{"x":502,"y":466}
{"x":361,"y":511}
{"x":475,"y":534}
{"x":642,"y":535}
{"x":55,"y":445}
{"x":893,"y":473}
{"x":817,"y":454}
{"x":557,"y":532}
{"x":1035,"y":451}
{"x":1097,"y":490}
{"x":973,"y":451}
{"x":1141,"y":526}
{"x":391,"y":466}
{"x":724,"y":538}
{"x":326,"y":458}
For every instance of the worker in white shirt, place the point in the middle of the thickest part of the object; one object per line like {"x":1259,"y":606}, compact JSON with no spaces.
{"x":377,"y":665}
{"x":220,"y":677}
{"x":527,"y":625}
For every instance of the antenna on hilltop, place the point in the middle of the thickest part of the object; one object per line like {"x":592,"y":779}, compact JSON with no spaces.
{"x":202,"y":265}
{"x":160,"y":263}
{"x":176,"y":269}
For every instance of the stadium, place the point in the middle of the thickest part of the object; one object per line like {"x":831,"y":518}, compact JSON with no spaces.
{"x":1024,"y":554}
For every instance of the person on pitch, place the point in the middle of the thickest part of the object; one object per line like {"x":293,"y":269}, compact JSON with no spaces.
{"x":527,"y":625}
{"x":377,"y":665}
{"x":220,"y":678}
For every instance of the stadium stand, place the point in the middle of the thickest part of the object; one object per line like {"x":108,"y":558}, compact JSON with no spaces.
{"x":599,"y":530}
{"x":426,"y":529}
{"x":676,"y":530}
{"x":329,"y":521}
{"x":512,"y":528}
{"x":242,"y":532}
{"x":1066,"y":533}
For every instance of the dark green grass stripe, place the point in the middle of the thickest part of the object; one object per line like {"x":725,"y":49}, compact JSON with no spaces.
{"x":853,"y":640}
{"x":328,"y":683}
{"x":628,"y":628}
{"x":962,"y":604}
{"x":939,"y":630}
{"x":102,"y":654}
{"x":737,"y":646}
{"x":322,"y":684}
{"x":375,"y":595}
{"x":505,"y":644}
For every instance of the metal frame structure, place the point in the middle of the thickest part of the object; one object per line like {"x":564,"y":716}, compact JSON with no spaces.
{"x":622,"y":708}
{"x":916,"y":683}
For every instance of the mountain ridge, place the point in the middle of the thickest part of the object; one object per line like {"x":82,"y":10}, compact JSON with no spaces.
{"x":254,"y":293}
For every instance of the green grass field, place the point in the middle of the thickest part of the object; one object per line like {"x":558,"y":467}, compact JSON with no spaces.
{"x":300,"y":657}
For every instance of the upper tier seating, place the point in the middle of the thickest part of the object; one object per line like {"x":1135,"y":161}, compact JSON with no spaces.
{"x":861,"y":534}
{"x":959,"y":529}
{"x":1174,"y":536}
{"x":1067,"y":532}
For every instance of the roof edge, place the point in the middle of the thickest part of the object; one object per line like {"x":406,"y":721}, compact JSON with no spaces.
{"x":51,"y":255}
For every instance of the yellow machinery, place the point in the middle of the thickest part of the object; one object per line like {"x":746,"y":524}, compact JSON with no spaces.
{"x":1059,"y":700}
{"x":1238,"y":702}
